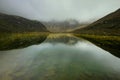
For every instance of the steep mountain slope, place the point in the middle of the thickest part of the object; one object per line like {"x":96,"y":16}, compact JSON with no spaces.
{"x":10,"y":23}
{"x":108,"y":25}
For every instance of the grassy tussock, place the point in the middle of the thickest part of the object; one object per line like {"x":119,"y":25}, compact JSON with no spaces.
{"x":101,"y":38}
{"x":109,"y":43}
{"x":19,"y":40}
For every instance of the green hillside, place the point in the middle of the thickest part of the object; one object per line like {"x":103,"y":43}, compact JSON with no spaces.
{"x":108,"y":25}
{"x":16,"y":24}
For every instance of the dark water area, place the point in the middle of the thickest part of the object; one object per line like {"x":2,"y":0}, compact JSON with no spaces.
{"x":59,"y":57}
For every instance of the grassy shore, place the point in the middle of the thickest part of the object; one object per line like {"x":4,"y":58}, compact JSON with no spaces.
{"x":108,"y":43}
{"x":20,"y":40}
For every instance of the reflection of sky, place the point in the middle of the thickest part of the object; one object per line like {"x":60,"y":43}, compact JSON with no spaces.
{"x":85,"y":52}
{"x":59,"y":55}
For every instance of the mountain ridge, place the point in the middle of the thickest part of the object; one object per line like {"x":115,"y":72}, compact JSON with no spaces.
{"x":17,"y":24}
{"x":108,"y":25}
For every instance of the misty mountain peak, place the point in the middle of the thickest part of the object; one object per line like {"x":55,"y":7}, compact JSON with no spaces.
{"x":72,"y":22}
{"x":118,"y":9}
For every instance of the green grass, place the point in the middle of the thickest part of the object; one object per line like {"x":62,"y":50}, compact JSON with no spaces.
{"x":109,"y":43}
{"x":20,"y":40}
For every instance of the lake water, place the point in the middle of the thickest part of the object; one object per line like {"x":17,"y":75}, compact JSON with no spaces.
{"x":59,"y":57}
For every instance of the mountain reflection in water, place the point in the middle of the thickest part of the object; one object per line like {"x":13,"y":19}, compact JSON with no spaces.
{"x":59,"y":57}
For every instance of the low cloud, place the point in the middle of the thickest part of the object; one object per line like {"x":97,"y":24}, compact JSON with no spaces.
{"x":46,"y":10}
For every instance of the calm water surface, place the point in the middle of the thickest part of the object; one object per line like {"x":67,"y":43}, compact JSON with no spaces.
{"x":59,"y":57}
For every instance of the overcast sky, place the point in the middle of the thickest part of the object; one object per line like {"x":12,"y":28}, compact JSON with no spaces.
{"x":82,"y":10}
